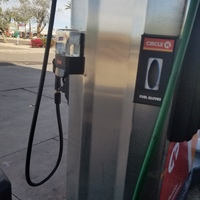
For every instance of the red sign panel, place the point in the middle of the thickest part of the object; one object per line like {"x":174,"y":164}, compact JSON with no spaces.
{"x":157,"y":44}
{"x":59,"y":62}
{"x":176,"y":170}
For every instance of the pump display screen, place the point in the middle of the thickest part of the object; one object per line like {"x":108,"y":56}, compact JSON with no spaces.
{"x":154,"y":68}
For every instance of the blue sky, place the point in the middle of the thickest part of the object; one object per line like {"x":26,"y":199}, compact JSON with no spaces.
{"x":62,"y":17}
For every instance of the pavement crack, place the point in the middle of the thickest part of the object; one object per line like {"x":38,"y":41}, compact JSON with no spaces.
{"x":37,"y":93}
{"x":15,"y":196}
{"x":25,"y":148}
{"x":13,"y":89}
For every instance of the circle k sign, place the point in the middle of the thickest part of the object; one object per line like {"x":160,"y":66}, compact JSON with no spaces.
{"x":159,"y":44}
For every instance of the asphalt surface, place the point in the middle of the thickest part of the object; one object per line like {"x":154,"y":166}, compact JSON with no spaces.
{"x":20,"y":69}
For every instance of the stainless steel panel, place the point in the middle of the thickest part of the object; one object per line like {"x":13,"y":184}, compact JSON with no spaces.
{"x":79,"y":14}
{"x":102,"y":123}
{"x":165,"y":17}
{"x":102,"y":116}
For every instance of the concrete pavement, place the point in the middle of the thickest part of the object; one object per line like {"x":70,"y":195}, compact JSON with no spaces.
{"x":25,"y":55}
{"x":20,"y":73}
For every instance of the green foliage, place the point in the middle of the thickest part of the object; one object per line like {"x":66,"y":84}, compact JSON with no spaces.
{"x":21,"y":13}
{"x":44,"y":40}
{"x":40,"y":9}
{"x":5,"y":18}
{"x":28,"y":11}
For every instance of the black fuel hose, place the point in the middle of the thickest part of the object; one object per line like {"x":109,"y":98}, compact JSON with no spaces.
{"x":37,"y":107}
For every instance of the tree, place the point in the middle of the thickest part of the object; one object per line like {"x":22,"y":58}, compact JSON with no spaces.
{"x":32,"y":10}
{"x":36,"y":10}
{"x":5,"y":18}
{"x":40,"y":9}
{"x":23,"y":14}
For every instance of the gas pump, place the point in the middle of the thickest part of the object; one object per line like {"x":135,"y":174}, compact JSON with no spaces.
{"x":121,"y":98}
{"x":123,"y":114}
{"x":69,"y":58}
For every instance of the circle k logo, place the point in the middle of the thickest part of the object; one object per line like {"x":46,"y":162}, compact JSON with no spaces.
{"x":167,"y":45}
{"x":173,"y":157}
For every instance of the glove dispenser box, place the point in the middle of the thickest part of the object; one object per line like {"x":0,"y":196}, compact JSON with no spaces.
{"x":69,"y":57}
{"x":154,"y":68}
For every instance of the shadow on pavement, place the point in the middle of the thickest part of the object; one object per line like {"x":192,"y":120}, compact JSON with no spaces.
{"x":18,"y":91}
